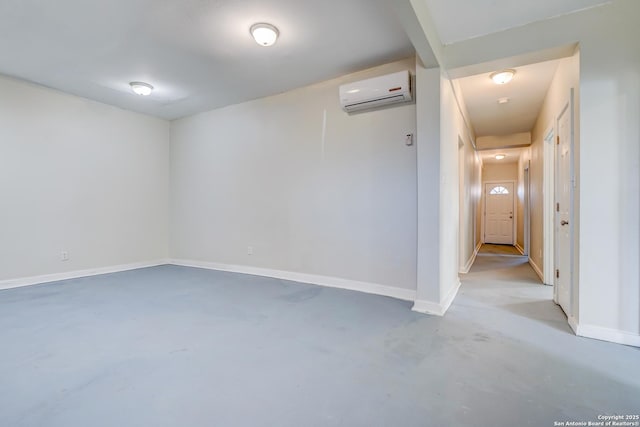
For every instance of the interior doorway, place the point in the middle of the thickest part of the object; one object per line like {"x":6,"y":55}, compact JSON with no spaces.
{"x":524,"y":133}
{"x":499,"y":222}
{"x":527,"y":209}
{"x":563,"y":217}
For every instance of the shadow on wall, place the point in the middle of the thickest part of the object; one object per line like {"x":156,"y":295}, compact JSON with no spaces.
{"x":628,"y":111}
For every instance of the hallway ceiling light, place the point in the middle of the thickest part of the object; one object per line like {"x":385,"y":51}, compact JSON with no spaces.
{"x":502,"y":77}
{"x":500,"y":156}
{"x":264,"y":34}
{"x":503,"y":100}
{"x":141,"y":88}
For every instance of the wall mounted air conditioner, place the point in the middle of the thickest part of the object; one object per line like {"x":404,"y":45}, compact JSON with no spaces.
{"x":376,"y":92}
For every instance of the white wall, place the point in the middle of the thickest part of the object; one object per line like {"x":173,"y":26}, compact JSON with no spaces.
{"x":566,"y":77}
{"x":440,"y":127}
{"x":453,"y":129}
{"x":336,"y":201}
{"x":523,"y":162}
{"x":470,"y":184}
{"x":78,"y":176}
{"x":606,"y":300}
{"x":428,"y":173}
{"x":609,"y":176}
{"x":469,"y":178}
{"x":500,"y":172}
{"x":488,"y":142}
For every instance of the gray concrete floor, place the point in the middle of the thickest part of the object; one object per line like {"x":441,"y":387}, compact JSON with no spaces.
{"x":175,"y":346}
{"x":490,"y":248}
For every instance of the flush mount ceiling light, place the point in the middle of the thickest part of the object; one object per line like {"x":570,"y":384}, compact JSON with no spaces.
{"x":141,"y":88}
{"x":503,"y":100}
{"x":502,"y":77}
{"x":264,"y":34}
{"x":500,"y":156}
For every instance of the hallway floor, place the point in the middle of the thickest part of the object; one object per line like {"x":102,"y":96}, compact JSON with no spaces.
{"x":175,"y":346}
{"x":490,"y":248}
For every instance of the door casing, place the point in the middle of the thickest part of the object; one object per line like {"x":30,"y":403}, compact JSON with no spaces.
{"x":565,"y":269}
{"x":484,"y":208}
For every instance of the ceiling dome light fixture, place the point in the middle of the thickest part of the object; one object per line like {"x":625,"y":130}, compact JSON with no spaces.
{"x":264,"y":34}
{"x":141,"y":88}
{"x":503,"y":100}
{"x":500,"y":156}
{"x":502,"y":77}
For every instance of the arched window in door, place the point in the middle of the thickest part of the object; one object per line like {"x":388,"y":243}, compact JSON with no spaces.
{"x":499,"y":190}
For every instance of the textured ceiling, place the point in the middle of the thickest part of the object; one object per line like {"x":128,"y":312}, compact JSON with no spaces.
{"x":526,"y":93}
{"x":198,"y":54}
{"x":457,"y":20}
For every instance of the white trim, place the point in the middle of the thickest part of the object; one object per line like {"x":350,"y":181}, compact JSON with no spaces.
{"x":607,"y":334}
{"x":427,"y":307}
{"x":430,"y":307}
{"x":536,"y":268}
{"x":446,"y":302}
{"x":526,"y":183}
{"x":519,"y":248}
{"x":573,"y":323}
{"x":332,"y":282}
{"x":55,"y":277}
{"x":548,"y":202}
{"x":471,"y":260}
{"x":568,"y":108}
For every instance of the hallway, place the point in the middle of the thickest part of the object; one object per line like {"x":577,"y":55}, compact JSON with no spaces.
{"x":524,"y":347}
{"x":501,"y":279}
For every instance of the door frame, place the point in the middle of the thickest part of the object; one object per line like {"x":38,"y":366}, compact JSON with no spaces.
{"x":548,"y":202}
{"x":484,"y":208}
{"x":569,"y":108}
{"x":461,"y":205}
{"x":526,"y":183}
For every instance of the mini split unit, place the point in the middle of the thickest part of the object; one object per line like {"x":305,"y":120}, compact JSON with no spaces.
{"x":376,"y":92}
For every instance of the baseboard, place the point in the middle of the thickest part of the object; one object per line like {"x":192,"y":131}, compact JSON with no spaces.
{"x":45,"y":278}
{"x":519,"y":248}
{"x":427,"y":307}
{"x":448,"y":299}
{"x":607,"y":334}
{"x":332,"y":282}
{"x":471,"y":260}
{"x":573,"y":324}
{"x":537,"y":269}
{"x":437,"y":309}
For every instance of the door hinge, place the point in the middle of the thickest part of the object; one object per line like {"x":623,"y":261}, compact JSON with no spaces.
{"x":557,"y":274}
{"x":557,"y":207}
{"x":558,"y":140}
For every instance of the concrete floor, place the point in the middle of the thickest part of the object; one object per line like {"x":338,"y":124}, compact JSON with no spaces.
{"x":175,"y":346}
{"x":490,"y":248}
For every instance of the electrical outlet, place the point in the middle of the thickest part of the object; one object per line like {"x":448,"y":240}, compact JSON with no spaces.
{"x":249,"y":250}
{"x":64,"y":256}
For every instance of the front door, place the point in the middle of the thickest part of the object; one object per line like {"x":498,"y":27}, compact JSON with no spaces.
{"x":498,"y":219}
{"x":563,"y":212}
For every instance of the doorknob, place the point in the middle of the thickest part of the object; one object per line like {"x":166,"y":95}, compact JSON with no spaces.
{"x":563,"y":222}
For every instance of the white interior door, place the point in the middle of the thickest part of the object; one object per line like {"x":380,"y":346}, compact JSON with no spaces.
{"x":498,"y":218}
{"x":563,"y":182}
